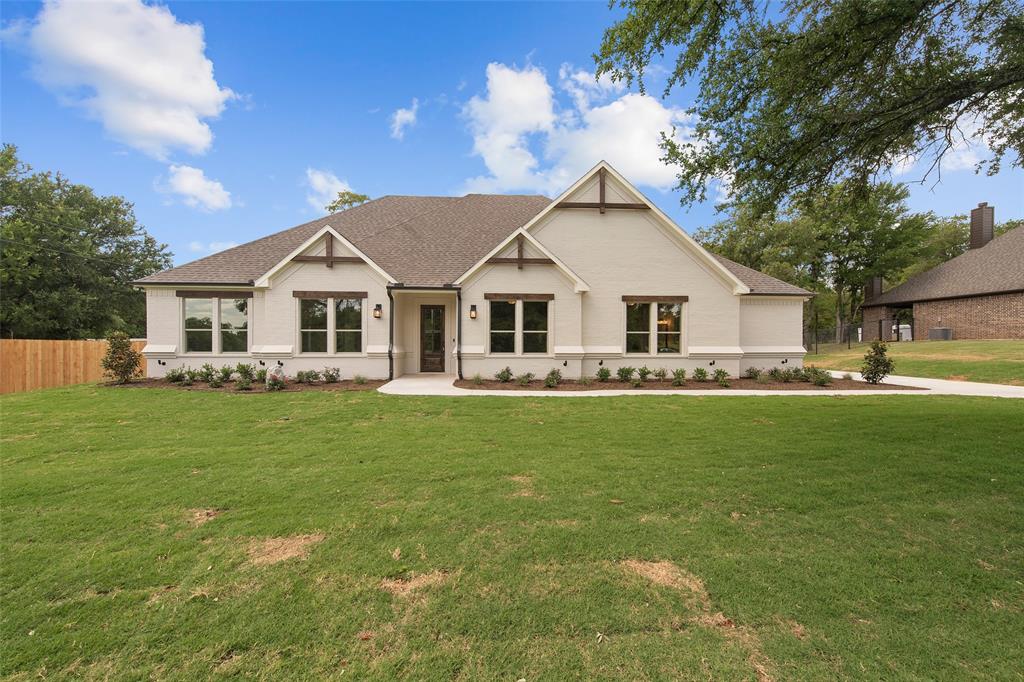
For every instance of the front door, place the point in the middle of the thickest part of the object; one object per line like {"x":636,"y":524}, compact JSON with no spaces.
{"x":431,"y":338}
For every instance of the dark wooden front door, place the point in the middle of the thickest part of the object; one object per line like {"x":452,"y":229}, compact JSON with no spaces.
{"x":431,"y":338}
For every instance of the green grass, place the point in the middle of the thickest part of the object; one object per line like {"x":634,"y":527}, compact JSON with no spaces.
{"x":887,"y":531}
{"x":998,"y":362}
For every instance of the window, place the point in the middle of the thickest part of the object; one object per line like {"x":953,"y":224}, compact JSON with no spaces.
{"x":198,"y":325}
{"x":313,"y":324}
{"x":234,"y":325}
{"x":654,"y":324}
{"x":638,"y":327}
{"x":535,"y":326}
{"x":348,"y":325}
{"x":503,"y":327}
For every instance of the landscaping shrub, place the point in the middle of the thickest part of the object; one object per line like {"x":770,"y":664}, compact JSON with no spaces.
{"x":245,"y":370}
{"x":822,"y":378}
{"x":877,"y":365}
{"x":225,"y":373}
{"x":331,"y":375}
{"x":752,"y":373}
{"x":359,"y":379}
{"x":275,"y":378}
{"x":775,"y":373}
{"x":625,"y":373}
{"x":848,"y":376}
{"x":644,"y":372}
{"x":187,"y":380}
{"x":215,"y":381}
{"x":764,"y":378}
{"x":678,"y":376}
{"x":300,"y":377}
{"x":504,"y":376}
{"x":121,"y":361}
{"x":206,"y":372}
{"x":525,"y":378}
{"x":637,"y":382}
{"x":660,"y":374}
{"x":477,"y":379}
{"x":175,"y":375}
{"x":700,"y":374}
{"x":586,"y":380}
{"x":192,"y":376}
{"x":243,"y":383}
{"x":261,"y":375}
{"x":722,"y":377}
{"x":312,"y":376}
{"x":553,"y":378}
{"x":603,"y":374}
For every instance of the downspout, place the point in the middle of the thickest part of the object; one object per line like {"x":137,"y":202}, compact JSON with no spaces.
{"x":458,"y":333}
{"x":391,"y":335}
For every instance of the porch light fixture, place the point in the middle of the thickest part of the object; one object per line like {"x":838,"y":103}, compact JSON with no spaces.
{"x":378,"y":310}
{"x":472,"y":312}
{"x":711,"y":364}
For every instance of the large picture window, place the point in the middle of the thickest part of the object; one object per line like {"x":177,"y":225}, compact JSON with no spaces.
{"x":313,"y":325}
{"x":535,"y":326}
{"x":654,"y":326}
{"x":234,"y":325}
{"x":503,"y":326}
{"x":199,"y":325}
{"x":348,"y":325}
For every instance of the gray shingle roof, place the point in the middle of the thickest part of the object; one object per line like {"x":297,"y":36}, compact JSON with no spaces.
{"x":994,"y":268}
{"x":420,"y":241}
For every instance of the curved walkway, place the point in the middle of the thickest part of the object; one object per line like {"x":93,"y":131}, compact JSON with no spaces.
{"x":442,"y":384}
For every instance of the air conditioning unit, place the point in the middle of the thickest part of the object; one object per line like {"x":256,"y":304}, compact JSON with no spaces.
{"x":940,"y":334}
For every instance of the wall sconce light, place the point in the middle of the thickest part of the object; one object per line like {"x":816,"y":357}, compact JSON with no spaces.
{"x":785,"y":361}
{"x":263,"y":364}
{"x":378,"y":310}
{"x":711,"y":364}
{"x":472,"y":312}
{"x":280,"y":364}
{"x":161,"y":362}
{"x":600,"y":363}
{"x":565,"y":363}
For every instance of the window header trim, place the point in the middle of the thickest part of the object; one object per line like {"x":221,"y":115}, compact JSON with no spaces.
{"x":329,"y":294}
{"x":212,"y":293}
{"x":519,"y":297}
{"x":655,"y":299}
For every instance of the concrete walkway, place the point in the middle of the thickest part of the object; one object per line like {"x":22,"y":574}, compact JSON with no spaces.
{"x":442,"y":384}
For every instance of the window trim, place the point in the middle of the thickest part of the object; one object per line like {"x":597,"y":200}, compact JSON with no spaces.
{"x":216,"y":344}
{"x":332,"y":331}
{"x":517,"y":331}
{"x":652,"y":338}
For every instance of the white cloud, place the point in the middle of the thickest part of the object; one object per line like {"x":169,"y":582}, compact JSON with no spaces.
{"x":968,"y":149}
{"x":403,"y":118}
{"x":212,"y":247}
{"x":132,"y":66}
{"x":196,"y":189}
{"x":520,"y":109}
{"x":323,"y":188}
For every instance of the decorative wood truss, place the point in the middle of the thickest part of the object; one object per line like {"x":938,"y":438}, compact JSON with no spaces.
{"x":519,"y":260}
{"x":329,"y":259}
{"x":601,"y":204}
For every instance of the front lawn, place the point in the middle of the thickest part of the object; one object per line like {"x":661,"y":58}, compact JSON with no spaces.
{"x":183,"y":535}
{"x":997,"y":362}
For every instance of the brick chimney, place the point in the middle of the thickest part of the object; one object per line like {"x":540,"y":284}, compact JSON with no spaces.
{"x":873,"y":289}
{"x":982,"y":222}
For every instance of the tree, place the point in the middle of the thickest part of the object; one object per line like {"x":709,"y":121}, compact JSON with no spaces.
{"x":121,"y":362}
{"x":795,"y":98}
{"x":346,"y":199}
{"x":68,"y":257}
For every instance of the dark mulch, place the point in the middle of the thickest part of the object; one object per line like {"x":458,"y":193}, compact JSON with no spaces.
{"x":257,"y":387}
{"x":692,"y":385}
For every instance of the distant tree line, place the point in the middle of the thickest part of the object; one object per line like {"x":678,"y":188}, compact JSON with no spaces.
{"x":68,"y":257}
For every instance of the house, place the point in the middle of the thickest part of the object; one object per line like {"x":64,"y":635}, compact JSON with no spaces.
{"x":472,"y":284}
{"x":977,"y":295}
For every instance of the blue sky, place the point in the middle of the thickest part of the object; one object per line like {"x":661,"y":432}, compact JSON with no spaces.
{"x":224,"y":122}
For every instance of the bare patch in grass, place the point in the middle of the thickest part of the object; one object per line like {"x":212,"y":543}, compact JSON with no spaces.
{"x":525,"y":483}
{"x":957,"y":377}
{"x":667,"y":574}
{"x":200,"y":516}
{"x":403,"y":587}
{"x":274,"y":550}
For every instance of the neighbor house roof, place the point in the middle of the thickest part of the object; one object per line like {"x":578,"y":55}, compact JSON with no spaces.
{"x":997,"y":267}
{"x":420,"y":241}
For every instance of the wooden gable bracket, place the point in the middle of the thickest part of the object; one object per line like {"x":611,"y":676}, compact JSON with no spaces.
{"x":601,"y":204}
{"x":519,"y":260}
{"x":329,"y":259}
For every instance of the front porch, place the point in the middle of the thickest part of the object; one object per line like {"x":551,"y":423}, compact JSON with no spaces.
{"x":424,"y":331}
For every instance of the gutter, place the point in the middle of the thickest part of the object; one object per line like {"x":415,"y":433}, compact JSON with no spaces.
{"x":458,"y":333}
{"x":391,"y":335}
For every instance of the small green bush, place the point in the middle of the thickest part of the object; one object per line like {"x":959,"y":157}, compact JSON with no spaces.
{"x":193,"y":375}
{"x":553,"y":378}
{"x":700,"y":374}
{"x":525,"y":378}
{"x":625,"y":373}
{"x":243,"y":383}
{"x":752,"y":373}
{"x":275,"y":383}
{"x":721,"y":377}
{"x":775,"y":373}
{"x":822,"y":378}
{"x":206,"y":372}
{"x":678,"y":376}
{"x":187,"y":380}
{"x":261,"y":376}
{"x":877,"y":365}
{"x":300,"y":376}
{"x":175,"y":375}
{"x":637,"y":382}
{"x":245,"y":370}
{"x":644,"y":372}
{"x":660,"y":374}
{"x":225,"y":373}
{"x":504,"y":376}
{"x":764,"y":378}
{"x":215,"y":381}
{"x":603,"y":374}
{"x":121,"y":361}
{"x":312,"y":376}
{"x":848,"y":376}
{"x":477,"y":379}
{"x":586,"y":380}
{"x":359,"y":379}
{"x":331,"y":375}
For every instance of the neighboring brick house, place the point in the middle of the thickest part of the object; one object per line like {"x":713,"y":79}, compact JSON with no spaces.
{"x":977,"y":295}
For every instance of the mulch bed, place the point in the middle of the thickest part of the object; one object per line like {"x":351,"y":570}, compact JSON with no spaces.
{"x":691,"y":385}
{"x":257,"y":387}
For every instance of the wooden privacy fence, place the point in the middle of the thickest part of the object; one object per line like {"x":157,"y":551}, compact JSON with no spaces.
{"x":28,"y":364}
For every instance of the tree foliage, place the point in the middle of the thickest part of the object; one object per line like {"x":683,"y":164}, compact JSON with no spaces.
{"x":121,"y":362}
{"x":346,"y":199}
{"x":68,"y":257}
{"x":796,"y":97}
